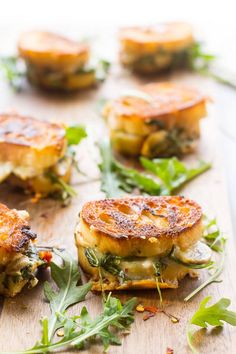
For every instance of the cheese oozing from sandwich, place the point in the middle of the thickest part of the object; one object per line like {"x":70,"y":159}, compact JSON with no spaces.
{"x":136,"y":242}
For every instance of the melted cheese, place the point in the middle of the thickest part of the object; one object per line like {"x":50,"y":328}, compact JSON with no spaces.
{"x":198,"y":253}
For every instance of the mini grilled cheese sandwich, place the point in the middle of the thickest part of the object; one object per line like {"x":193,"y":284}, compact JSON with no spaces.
{"x":18,"y":259}
{"x":138,"y":242}
{"x":55,"y":62}
{"x":31,"y":152}
{"x":156,"y":120}
{"x":153,"y":49}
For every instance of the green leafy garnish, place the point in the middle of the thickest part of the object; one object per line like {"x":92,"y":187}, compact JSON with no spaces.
{"x":78,"y":330}
{"x":67,"y":192}
{"x":217,"y":242}
{"x":212,"y":235}
{"x":171,"y":173}
{"x":108,"y":262}
{"x":110,"y":183}
{"x":213,"y":315}
{"x":102,"y":69}
{"x":66,"y":277}
{"x":74,"y":134}
{"x":13,"y":70}
{"x":202,"y":62}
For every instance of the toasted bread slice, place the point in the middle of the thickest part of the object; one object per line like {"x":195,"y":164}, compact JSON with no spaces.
{"x":163,"y":122}
{"x":138,"y":226}
{"x":130,"y":235}
{"x":157,"y":48}
{"x":50,"y":50}
{"x":29,"y":146}
{"x":18,"y":259}
{"x":170,"y":36}
{"x":15,"y":233}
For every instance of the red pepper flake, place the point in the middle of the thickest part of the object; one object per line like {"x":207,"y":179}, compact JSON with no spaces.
{"x":46,"y":256}
{"x":169,"y":351}
{"x":152,"y":309}
{"x":148,"y":315}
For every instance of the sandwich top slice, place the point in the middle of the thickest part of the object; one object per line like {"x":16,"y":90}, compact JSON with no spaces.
{"x":138,"y":242}
{"x":152,"y":49}
{"x":18,"y":258}
{"x":56,"y":63}
{"x":32,"y":152}
{"x":156,"y":120}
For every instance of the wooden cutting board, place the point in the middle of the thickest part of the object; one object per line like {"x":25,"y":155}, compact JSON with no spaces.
{"x":19,"y":317}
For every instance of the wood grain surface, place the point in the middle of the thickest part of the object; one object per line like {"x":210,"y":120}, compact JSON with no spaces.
{"x":19,"y":317}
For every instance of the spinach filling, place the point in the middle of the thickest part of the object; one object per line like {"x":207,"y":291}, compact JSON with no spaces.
{"x":135,"y":268}
{"x":21,"y":268}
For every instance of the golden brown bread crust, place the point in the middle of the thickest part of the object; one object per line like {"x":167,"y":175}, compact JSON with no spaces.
{"x":173,"y":34}
{"x":30,"y":146}
{"x":139,"y":217}
{"x":15,"y":232}
{"x":167,"y":98}
{"x":40,"y":45}
{"x":30,"y":132}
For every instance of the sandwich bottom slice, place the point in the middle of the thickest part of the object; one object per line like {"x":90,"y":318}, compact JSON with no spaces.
{"x":141,"y":242}
{"x":19,"y":260}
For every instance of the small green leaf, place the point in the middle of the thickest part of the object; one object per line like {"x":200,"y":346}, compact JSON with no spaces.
{"x":13,"y":70}
{"x":214,"y":315}
{"x":74,"y":134}
{"x":66,"y":276}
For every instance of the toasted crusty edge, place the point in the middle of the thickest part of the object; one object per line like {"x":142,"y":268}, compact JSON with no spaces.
{"x":174,"y":273}
{"x":171,"y":36}
{"x":15,"y":232}
{"x":29,"y":143}
{"x":46,"y":48}
{"x":166,"y":98}
{"x":139,"y":226}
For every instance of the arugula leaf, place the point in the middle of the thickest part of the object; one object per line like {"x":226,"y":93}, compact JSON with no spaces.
{"x":102,"y":69}
{"x":212,"y":235}
{"x":82,"y":329}
{"x":201,"y":62}
{"x":66,"y":277}
{"x":13,"y":70}
{"x":213,"y":315}
{"x":172,"y":172}
{"x":74,"y":134}
{"x":116,"y":177}
{"x":108,"y":262}
{"x":67,"y":191}
{"x":110,"y":183}
{"x":131,"y":178}
{"x":198,"y":59}
{"x":115,"y":316}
